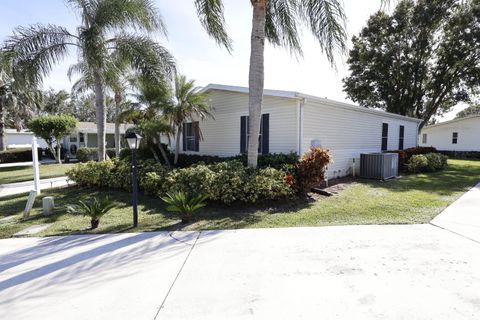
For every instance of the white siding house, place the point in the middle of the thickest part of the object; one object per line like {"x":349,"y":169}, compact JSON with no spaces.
{"x":454,"y":135}
{"x":293,"y":122}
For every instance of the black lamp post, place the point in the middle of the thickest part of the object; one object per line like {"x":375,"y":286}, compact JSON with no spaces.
{"x":133,"y":141}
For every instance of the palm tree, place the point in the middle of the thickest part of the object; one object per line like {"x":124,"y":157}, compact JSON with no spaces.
{"x":6,"y":82}
{"x":103,"y":30}
{"x":187,"y":103}
{"x":277,"y":21}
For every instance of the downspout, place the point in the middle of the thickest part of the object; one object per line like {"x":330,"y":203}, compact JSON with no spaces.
{"x":300,"y":126}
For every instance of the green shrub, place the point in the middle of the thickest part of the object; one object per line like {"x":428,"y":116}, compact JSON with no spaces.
{"x":436,"y":161}
{"x":417,"y":163}
{"x":405,"y":155}
{"x":18,"y":155}
{"x":226,"y":182}
{"x":92,"y":174}
{"x":89,"y":154}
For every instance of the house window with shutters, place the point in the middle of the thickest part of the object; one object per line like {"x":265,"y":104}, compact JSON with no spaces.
{"x":191,"y":136}
{"x":384,"y":136}
{"x":401,"y":137}
{"x":263,"y":137}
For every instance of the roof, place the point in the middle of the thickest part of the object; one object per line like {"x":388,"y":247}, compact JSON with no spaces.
{"x":452,"y":121}
{"x":301,"y":96}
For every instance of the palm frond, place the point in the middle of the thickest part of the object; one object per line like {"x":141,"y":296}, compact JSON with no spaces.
{"x":145,"y":55}
{"x":210,"y":13}
{"x":38,"y":47}
{"x":281,"y":26}
{"x":326,"y":20}
{"x":121,"y":14}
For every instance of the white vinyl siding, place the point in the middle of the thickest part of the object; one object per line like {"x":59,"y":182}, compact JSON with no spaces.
{"x":441,"y":136}
{"x":347,"y":133}
{"x":221,"y":135}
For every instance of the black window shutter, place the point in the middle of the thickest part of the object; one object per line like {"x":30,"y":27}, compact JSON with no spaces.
{"x":184,"y":136}
{"x":384,"y":136}
{"x":402,"y":137}
{"x":243,"y":134}
{"x":196,"y":128}
{"x":265,"y":133}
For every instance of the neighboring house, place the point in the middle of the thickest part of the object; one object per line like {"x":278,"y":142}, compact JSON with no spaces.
{"x":293,"y":122}
{"x":455,"y":135}
{"x":85,"y":135}
{"x":21,"y":139}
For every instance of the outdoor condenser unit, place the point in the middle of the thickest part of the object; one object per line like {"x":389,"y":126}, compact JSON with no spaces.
{"x":380,"y":166}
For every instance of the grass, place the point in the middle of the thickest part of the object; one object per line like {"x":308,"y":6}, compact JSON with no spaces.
{"x":19,"y":174}
{"x":411,"y":199}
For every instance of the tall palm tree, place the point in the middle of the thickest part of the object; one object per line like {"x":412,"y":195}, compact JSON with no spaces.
{"x":187,"y":104}
{"x":6,"y":82}
{"x":103,"y":30}
{"x":277,"y":21}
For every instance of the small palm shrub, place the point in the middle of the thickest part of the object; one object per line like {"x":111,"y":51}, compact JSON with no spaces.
{"x":184,"y":204}
{"x":96,"y":208}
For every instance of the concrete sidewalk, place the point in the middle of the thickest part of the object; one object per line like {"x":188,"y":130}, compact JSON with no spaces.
{"x":23,"y":187}
{"x":462,"y":216}
{"x":345,"y":272}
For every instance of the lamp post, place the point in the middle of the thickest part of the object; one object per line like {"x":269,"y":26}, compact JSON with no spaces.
{"x":133,"y":141}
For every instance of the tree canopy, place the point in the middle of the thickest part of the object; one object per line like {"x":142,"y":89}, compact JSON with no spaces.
{"x":53,"y":129}
{"x":418,"y":61}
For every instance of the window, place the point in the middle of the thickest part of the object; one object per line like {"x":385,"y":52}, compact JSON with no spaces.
{"x":455,"y":138}
{"x":401,"y":137}
{"x":73,"y":138}
{"x":191,"y":136}
{"x":263,"y":136}
{"x":81,"y":137}
{"x":384,"y":136}
{"x":424,"y":138}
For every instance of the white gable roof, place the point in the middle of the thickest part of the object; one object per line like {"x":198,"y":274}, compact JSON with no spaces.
{"x":452,"y":121}
{"x":301,"y":96}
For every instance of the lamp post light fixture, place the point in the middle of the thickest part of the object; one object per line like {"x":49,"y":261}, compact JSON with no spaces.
{"x":133,"y":141}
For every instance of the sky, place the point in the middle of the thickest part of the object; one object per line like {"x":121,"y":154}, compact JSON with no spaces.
{"x":200,"y":58}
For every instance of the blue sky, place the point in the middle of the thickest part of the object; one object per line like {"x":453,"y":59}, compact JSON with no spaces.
{"x":200,"y":58}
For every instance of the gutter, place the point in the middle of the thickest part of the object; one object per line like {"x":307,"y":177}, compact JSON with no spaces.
{"x":301,"y":104}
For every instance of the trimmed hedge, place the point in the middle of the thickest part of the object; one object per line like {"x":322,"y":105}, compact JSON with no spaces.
{"x":19,"y":155}
{"x":91,"y":154}
{"x":226,"y":182}
{"x":461,"y":154}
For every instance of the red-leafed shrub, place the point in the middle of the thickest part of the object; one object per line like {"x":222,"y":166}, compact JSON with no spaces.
{"x":310,"y":171}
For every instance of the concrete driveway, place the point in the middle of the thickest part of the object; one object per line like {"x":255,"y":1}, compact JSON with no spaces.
{"x":352,"y":272}
{"x":346,"y":272}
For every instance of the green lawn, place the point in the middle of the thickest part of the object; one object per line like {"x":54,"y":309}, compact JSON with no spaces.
{"x":411,"y":199}
{"x":19,"y":174}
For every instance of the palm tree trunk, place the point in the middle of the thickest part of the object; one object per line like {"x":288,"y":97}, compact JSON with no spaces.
{"x":59,"y":151}
{"x":177,"y":145}
{"x":100,"y":116}
{"x":162,"y":151}
{"x":256,"y":78}
{"x":2,"y":126}
{"x":118,"y":101}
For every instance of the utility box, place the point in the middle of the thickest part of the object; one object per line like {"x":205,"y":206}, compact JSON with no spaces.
{"x":380,"y":166}
{"x":48,"y":206}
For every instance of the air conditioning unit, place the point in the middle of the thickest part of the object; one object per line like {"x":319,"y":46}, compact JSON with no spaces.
{"x":379,"y":166}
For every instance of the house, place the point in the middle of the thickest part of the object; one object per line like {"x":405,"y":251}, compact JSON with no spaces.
{"x":85,"y":135}
{"x":293,"y":122}
{"x":455,"y":135}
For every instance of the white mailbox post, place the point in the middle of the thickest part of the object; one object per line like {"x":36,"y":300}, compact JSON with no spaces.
{"x":36,"y":170}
